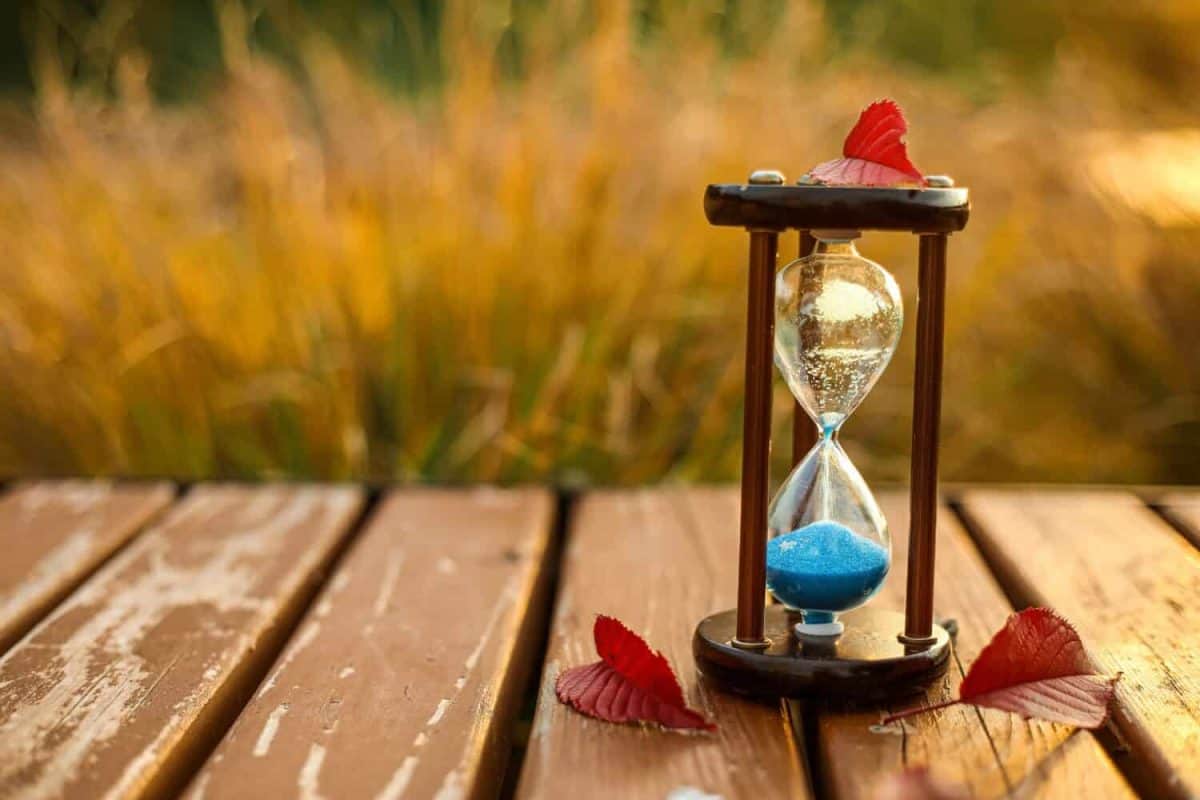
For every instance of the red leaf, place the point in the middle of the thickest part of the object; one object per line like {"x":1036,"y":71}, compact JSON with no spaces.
{"x":874,"y":152}
{"x":632,"y":683}
{"x":1035,"y":666}
{"x":915,"y":783}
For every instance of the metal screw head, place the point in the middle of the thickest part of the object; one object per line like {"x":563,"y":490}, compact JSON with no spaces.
{"x":766,"y":177}
{"x":939,"y":181}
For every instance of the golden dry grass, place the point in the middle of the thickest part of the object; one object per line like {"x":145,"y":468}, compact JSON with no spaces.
{"x":513,"y":280}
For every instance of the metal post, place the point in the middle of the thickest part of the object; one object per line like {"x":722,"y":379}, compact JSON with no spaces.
{"x":927,"y":407}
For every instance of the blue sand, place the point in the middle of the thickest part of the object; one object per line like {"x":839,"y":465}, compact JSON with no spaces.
{"x":824,"y":567}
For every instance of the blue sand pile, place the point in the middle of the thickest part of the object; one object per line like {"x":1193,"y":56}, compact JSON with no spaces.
{"x":824,"y":566}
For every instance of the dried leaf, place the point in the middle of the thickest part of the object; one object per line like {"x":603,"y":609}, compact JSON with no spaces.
{"x":631,"y":682}
{"x":1035,"y":666}
{"x":874,"y":153}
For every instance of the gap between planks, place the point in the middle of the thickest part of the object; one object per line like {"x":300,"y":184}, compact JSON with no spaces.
{"x":1180,"y":509}
{"x":565,"y":503}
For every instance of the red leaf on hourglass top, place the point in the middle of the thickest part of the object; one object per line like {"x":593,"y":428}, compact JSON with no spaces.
{"x":1035,"y":666}
{"x":631,"y":682}
{"x":874,"y":152}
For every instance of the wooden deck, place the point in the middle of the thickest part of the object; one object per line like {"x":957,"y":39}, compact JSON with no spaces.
{"x":228,"y":641}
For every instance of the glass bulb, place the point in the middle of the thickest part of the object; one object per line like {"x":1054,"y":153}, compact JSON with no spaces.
{"x":837,"y":323}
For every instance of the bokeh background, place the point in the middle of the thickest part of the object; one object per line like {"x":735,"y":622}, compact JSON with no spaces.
{"x":464,"y":241}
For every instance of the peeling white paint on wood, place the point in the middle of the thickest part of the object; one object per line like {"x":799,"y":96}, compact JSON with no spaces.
{"x":399,"y":781}
{"x":308,"y":781}
{"x":368,"y":633}
{"x":199,"y":788}
{"x":502,"y":604}
{"x":58,"y":532}
{"x":340,"y":581}
{"x":494,"y":497}
{"x":78,"y":497}
{"x":270,"y":728}
{"x":452,"y":787}
{"x":306,"y":636}
{"x":97,"y":662}
{"x":546,"y":700}
{"x":388,"y":586}
{"x":438,"y":713}
{"x":48,"y":572}
{"x":692,"y":793}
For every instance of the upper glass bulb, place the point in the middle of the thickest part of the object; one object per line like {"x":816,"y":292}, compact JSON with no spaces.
{"x":837,"y":323}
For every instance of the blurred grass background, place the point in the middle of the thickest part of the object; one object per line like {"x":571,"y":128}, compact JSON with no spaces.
{"x":464,"y":241}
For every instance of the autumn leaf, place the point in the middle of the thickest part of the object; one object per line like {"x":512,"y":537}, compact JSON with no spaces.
{"x":874,"y":152}
{"x":1035,"y":666}
{"x":630,"y":682}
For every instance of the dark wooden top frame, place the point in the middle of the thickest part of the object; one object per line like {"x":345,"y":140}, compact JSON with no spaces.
{"x":939,"y":210}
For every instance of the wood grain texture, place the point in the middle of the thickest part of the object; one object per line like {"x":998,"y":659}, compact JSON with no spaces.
{"x":659,"y":560}
{"x":117,"y":692}
{"x":404,"y":678}
{"x":989,"y":753}
{"x":54,"y":534}
{"x":1182,"y":509}
{"x":1129,"y":583}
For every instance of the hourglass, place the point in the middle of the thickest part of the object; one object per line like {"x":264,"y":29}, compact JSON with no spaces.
{"x":837,"y":322}
{"x":832,"y":320}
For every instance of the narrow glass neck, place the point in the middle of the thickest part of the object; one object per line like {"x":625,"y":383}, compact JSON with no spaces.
{"x":839,"y":247}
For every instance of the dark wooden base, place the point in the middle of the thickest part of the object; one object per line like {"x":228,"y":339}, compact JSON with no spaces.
{"x":867,"y":663}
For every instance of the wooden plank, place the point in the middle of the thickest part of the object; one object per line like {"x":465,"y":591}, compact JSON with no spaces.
{"x":1182,"y":509}
{"x":406,"y":675}
{"x":54,"y":534}
{"x":989,"y":753}
{"x":658,"y":559}
{"x":120,"y":690}
{"x":1129,"y":583}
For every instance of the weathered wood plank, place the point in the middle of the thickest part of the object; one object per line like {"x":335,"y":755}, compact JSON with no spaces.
{"x":56,"y":533}
{"x":990,"y":753}
{"x":1129,"y":583}
{"x":405,"y":676}
{"x":659,"y":560}
{"x":1182,"y":509}
{"x":118,"y":691}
